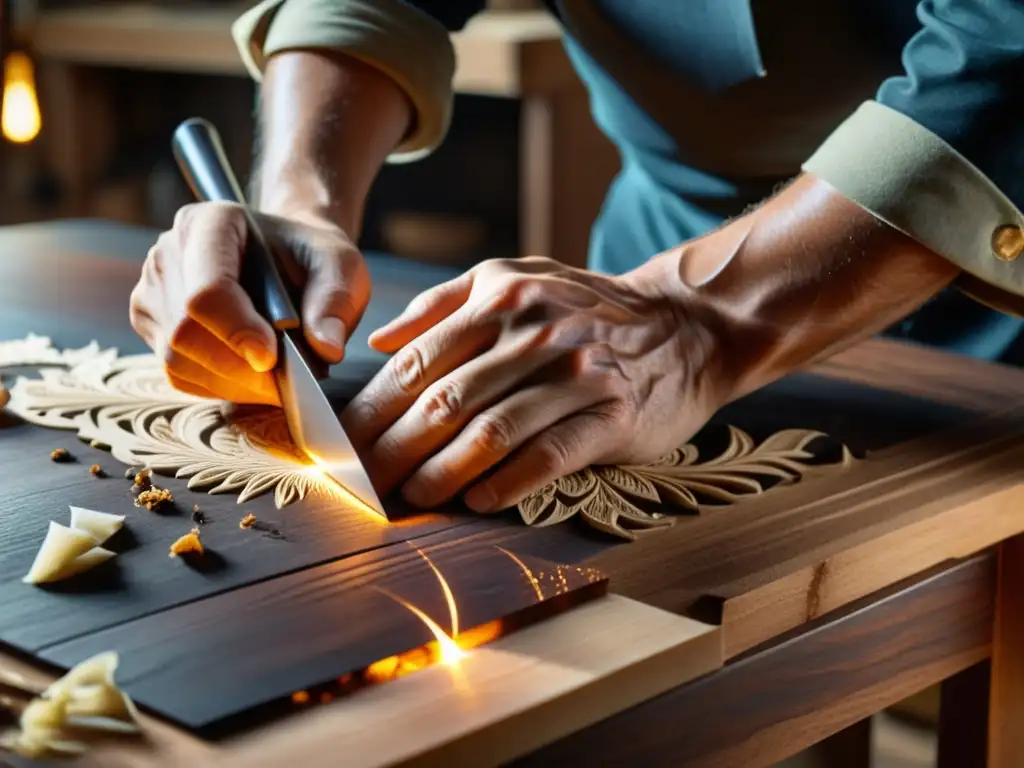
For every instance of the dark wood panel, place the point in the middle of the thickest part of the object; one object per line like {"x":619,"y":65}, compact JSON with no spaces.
{"x":864,"y":418}
{"x":927,"y":373}
{"x":777,"y":701}
{"x":142,"y":579}
{"x":205,"y":662}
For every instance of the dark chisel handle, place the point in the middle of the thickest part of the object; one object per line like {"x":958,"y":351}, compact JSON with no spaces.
{"x":200,"y":155}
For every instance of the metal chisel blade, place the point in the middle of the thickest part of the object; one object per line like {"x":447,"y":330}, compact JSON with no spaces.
{"x":315,"y":427}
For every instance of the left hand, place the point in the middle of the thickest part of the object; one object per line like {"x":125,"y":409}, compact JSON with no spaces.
{"x":527,"y":370}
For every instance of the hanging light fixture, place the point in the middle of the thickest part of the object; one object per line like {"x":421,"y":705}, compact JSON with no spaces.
{"x":20,"y":118}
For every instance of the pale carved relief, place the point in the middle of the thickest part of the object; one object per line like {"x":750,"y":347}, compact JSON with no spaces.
{"x":126,"y":404}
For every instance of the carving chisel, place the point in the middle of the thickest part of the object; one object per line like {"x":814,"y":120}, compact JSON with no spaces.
{"x":312,"y":422}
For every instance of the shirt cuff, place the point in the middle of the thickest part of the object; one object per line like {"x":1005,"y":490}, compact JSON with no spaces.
{"x":913,"y":180}
{"x":404,"y":43}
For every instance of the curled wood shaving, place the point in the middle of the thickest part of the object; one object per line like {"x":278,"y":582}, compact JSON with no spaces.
{"x":83,"y":704}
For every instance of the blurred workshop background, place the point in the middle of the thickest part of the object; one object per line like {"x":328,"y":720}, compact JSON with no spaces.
{"x":93,"y":89}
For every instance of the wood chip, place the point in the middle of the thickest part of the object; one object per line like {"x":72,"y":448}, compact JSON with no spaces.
{"x":187,"y":544}
{"x":154,"y":498}
{"x":248,"y":521}
{"x":60,"y":455}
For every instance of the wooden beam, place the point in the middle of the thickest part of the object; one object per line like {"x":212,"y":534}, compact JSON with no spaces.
{"x":499,"y":53}
{"x":1006,"y":710}
{"x":776,"y":702}
{"x":502,"y":701}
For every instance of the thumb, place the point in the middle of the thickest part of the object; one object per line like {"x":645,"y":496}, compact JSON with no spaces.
{"x":336,"y":295}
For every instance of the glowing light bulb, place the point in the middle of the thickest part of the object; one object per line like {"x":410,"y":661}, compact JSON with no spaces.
{"x":20,"y":119}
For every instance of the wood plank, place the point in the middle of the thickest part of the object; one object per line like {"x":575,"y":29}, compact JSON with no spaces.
{"x":501,"y":701}
{"x":927,"y":373}
{"x":142,"y":579}
{"x":305,"y":630}
{"x":775,"y":702}
{"x":1006,"y":708}
{"x":778,"y":541}
{"x":499,"y":53}
{"x":893,"y":489}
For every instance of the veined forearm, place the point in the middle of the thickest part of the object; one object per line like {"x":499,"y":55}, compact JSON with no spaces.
{"x":801,"y":277}
{"x":328,"y":121}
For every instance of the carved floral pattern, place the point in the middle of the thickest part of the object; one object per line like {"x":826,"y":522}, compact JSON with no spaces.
{"x":127,"y":405}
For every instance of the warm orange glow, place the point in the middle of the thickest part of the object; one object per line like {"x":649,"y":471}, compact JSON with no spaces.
{"x":341,"y":493}
{"x":453,"y":611}
{"x":450,"y":653}
{"x":20,"y":119}
{"x":300,"y":697}
{"x":526,"y":571}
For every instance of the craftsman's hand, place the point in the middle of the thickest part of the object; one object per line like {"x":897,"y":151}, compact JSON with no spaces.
{"x":191,"y":310}
{"x":527,"y":370}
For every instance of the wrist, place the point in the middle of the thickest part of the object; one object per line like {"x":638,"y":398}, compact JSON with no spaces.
{"x":803,"y":276}
{"x":328,"y":121}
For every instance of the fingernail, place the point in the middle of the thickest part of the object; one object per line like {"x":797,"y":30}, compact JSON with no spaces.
{"x":331,"y":331}
{"x":481,"y":499}
{"x":257,"y":355}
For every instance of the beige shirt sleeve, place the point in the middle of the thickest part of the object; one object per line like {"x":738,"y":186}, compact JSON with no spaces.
{"x":406,"y":44}
{"x":910,"y":178}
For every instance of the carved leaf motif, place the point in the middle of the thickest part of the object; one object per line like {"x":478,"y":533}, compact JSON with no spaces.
{"x":128,"y":405}
{"x":623,"y":500}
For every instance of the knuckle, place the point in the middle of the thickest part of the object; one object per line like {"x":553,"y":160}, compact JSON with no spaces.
{"x":593,"y":359}
{"x":184,"y":215}
{"x":444,"y":404}
{"x":619,"y":411}
{"x":410,"y":369}
{"x":554,"y":453}
{"x":495,"y":433}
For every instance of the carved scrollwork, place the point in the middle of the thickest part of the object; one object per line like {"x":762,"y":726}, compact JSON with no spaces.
{"x":126,"y":404}
{"x":624,"y":500}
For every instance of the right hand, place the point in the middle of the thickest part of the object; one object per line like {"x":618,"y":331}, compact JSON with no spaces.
{"x":190,"y":309}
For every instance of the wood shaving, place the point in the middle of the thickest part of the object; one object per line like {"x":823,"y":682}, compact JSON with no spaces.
{"x":187,"y":544}
{"x":85,"y":703}
{"x":154,"y":498}
{"x":248,"y":521}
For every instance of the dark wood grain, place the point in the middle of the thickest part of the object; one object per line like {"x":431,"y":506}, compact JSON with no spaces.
{"x":777,"y":701}
{"x":1005,"y":747}
{"x":207,"y":661}
{"x":780,"y":545}
{"x":142,"y":579}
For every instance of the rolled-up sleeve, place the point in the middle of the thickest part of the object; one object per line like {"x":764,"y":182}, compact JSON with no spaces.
{"x":405,"y":40}
{"x":939,"y":153}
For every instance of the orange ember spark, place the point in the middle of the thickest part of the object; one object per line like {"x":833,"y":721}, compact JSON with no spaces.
{"x":449,"y":598}
{"x":527,"y":572}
